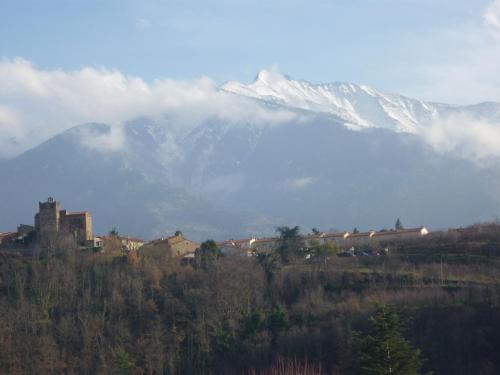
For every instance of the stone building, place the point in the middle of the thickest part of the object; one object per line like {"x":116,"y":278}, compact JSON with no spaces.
{"x":174,"y":246}
{"x":51,"y":222}
{"x":266,"y":244}
{"x":237,"y":247}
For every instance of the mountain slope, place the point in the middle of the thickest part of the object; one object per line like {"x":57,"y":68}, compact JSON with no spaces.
{"x":119,"y":189}
{"x":318,"y":173}
{"x":357,"y":105}
{"x":225,"y":178}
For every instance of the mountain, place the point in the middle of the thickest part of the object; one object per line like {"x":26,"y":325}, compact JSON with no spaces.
{"x":358,"y":106}
{"x":121,"y":188}
{"x":225,"y":178}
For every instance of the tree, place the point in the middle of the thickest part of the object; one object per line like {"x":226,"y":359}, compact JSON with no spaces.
{"x":355,"y":230}
{"x":269,"y":263}
{"x":290,"y":242}
{"x":399,"y":225}
{"x":123,"y":363}
{"x":277,"y":321}
{"x":322,"y":252}
{"x":316,"y":231}
{"x":384,"y":350}
{"x":208,"y":254}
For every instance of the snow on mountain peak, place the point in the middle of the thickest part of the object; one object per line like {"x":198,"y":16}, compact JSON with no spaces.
{"x":360,"y":105}
{"x":269,"y":77}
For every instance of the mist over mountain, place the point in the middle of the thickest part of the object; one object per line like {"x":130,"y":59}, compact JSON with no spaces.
{"x":340,"y":156}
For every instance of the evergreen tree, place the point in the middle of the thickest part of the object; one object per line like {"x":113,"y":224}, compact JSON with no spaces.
{"x":398,"y":225}
{"x":269,"y":263}
{"x":291,"y":244}
{"x":123,"y":363}
{"x":384,"y":350}
{"x":208,"y":254}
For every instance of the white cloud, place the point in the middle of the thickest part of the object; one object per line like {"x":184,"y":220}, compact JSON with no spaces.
{"x":469,"y":73}
{"x":492,"y":17}
{"x":36,"y":104}
{"x":109,"y":141}
{"x":299,"y":183}
{"x":466,"y":136}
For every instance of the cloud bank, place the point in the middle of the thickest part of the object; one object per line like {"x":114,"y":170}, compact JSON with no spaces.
{"x":463,"y":135}
{"x":36,"y":104}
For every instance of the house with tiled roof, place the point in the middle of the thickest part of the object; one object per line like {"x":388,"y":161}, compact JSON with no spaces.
{"x":242,"y":247}
{"x":334,"y":237}
{"x":8,"y":238}
{"x":402,"y":234}
{"x":175,"y":246}
{"x":265,"y":244}
{"x":360,"y":238}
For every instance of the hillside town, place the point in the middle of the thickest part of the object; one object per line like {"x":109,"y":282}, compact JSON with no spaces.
{"x":53,"y":223}
{"x":62,"y":285}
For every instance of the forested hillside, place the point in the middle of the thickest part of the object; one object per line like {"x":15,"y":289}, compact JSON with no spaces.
{"x":68,"y":312}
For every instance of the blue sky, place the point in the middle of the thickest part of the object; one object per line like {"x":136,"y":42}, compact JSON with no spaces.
{"x":384,"y":43}
{"x":67,"y":62}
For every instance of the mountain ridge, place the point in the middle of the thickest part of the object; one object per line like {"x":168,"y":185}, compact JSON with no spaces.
{"x":226,"y":178}
{"x":359,"y":105}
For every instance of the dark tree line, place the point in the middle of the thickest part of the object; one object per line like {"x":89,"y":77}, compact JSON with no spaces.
{"x":65,"y":311}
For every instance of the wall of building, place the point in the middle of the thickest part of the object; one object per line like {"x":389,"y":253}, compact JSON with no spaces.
{"x":78,"y":225}
{"x":52,"y":222}
{"x":47,"y":218}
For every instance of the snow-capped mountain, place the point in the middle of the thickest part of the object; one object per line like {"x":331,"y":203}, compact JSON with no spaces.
{"x":227,"y":177}
{"x":359,"y":106}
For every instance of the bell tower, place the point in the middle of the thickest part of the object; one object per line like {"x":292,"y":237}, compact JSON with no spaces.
{"x":47,"y":219}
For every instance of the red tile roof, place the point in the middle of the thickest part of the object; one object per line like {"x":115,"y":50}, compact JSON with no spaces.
{"x":361,"y":234}
{"x":335,"y":234}
{"x":8,"y":235}
{"x":266,"y":239}
{"x":403,"y":231}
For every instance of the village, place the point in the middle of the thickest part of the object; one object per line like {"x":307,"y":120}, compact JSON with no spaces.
{"x":52,"y":223}
{"x":65,"y":281}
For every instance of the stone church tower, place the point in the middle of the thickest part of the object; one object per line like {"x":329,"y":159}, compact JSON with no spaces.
{"x":52,"y":221}
{"x":47,"y":219}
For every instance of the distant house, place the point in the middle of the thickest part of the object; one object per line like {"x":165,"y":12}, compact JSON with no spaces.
{"x":359,"y":239}
{"x":334,"y":237}
{"x":311,"y":239}
{"x":9,"y":238}
{"x":131,"y":243}
{"x":403,"y":234}
{"x":266,"y":244}
{"x":98,"y":242}
{"x":25,"y":230}
{"x":237,"y":247}
{"x":174,"y":246}
{"x":189,"y":258}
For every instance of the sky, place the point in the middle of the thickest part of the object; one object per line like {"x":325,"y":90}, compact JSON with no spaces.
{"x":64,"y":62}
{"x":390,"y":44}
